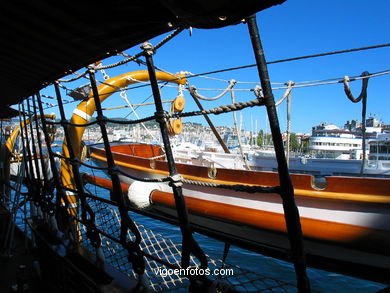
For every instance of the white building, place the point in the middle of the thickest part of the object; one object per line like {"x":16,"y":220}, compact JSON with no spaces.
{"x":329,"y":141}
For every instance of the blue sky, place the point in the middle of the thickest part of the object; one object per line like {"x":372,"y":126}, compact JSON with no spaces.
{"x":295,"y":28}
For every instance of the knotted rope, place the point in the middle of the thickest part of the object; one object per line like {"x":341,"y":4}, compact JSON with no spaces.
{"x":362,"y":97}
{"x":193,"y":91}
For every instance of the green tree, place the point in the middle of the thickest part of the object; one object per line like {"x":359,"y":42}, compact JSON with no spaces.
{"x":264,"y":139}
{"x":294,"y":144}
{"x":260,"y":138}
{"x":304,"y":146}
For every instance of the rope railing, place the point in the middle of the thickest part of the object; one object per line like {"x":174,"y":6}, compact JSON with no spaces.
{"x":193,"y":91}
{"x":296,"y":85}
{"x":218,"y":110}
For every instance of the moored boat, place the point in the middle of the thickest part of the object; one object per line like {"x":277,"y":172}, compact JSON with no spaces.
{"x":344,"y":223}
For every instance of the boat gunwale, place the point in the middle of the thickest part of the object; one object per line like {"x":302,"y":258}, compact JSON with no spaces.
{"x":303,"y":183}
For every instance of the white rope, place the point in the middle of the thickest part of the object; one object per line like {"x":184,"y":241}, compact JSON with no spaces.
{"x":193,"y":91}
{"x":123,"y":95}
{"x":225,"y":80}
{"x":288,"y":130}
{"x":227,"y":90}
{"x":259,"y":92}
{"x":238,"y":132}
{"x":286,"y":93}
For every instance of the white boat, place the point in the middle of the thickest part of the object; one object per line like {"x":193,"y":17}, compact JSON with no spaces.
{"x":379,"y":158}
{"x":333,"y":152}
{"x":188,"y":153}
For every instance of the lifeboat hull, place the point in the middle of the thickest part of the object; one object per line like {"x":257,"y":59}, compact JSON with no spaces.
{"x":346,"y":225}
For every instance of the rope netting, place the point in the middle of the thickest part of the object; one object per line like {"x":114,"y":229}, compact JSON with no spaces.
{"x":158,"y":279}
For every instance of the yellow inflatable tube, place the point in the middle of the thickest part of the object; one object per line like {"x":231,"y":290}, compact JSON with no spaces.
{"x":83,"y":114}
{"x":12,"y":138}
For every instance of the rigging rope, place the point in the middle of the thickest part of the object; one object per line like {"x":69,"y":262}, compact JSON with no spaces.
{"x":297,"y":84}
{"x":294,"y":59}
{"x":194,"y":92}
{"x":288,"y":95}
{"x":238,"y":133}
{"x":362,"y":97}
{"x":123,"y":95}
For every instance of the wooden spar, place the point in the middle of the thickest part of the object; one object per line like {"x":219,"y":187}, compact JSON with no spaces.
{"x":212,"y":127}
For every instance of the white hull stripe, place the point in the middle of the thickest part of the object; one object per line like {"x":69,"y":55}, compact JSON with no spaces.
{"x":69,"y":193}
{"x":71,"y":205}
{"x":82,"y":114}
{"x":379,"y":219}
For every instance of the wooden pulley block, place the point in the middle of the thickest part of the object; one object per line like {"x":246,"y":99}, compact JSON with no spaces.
{"x":175,"y":126}
{"x":178,"y":104}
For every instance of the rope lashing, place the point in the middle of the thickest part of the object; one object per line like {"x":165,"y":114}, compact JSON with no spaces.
{"x":220,"y":110}
{"x":259,"y":92}
{"x":235,"y":187}
{"x":363,"y":93}
{"x":79,"y":75}
{"x":193,"y":91}
{"x":287,"y":93}
{"x":362,"y":97}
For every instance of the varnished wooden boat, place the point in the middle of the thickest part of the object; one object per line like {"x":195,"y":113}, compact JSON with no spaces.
{"x":346,"y":224}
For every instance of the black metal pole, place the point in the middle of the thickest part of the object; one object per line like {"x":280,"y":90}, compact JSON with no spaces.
{"x":26,"y":145}
{"x":24,"y":153}
{"x":3,"y":180}
{"x":133,"y":248}
{"x":92,"y":234}
{"x":291,"y":212}
{"x":34,"y":149}
{"x":364,"y":137}
{"x":74,"y":164}
{"x":56,"y":178}
{"x":189,"y":244}
{"x":40,"y":149}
